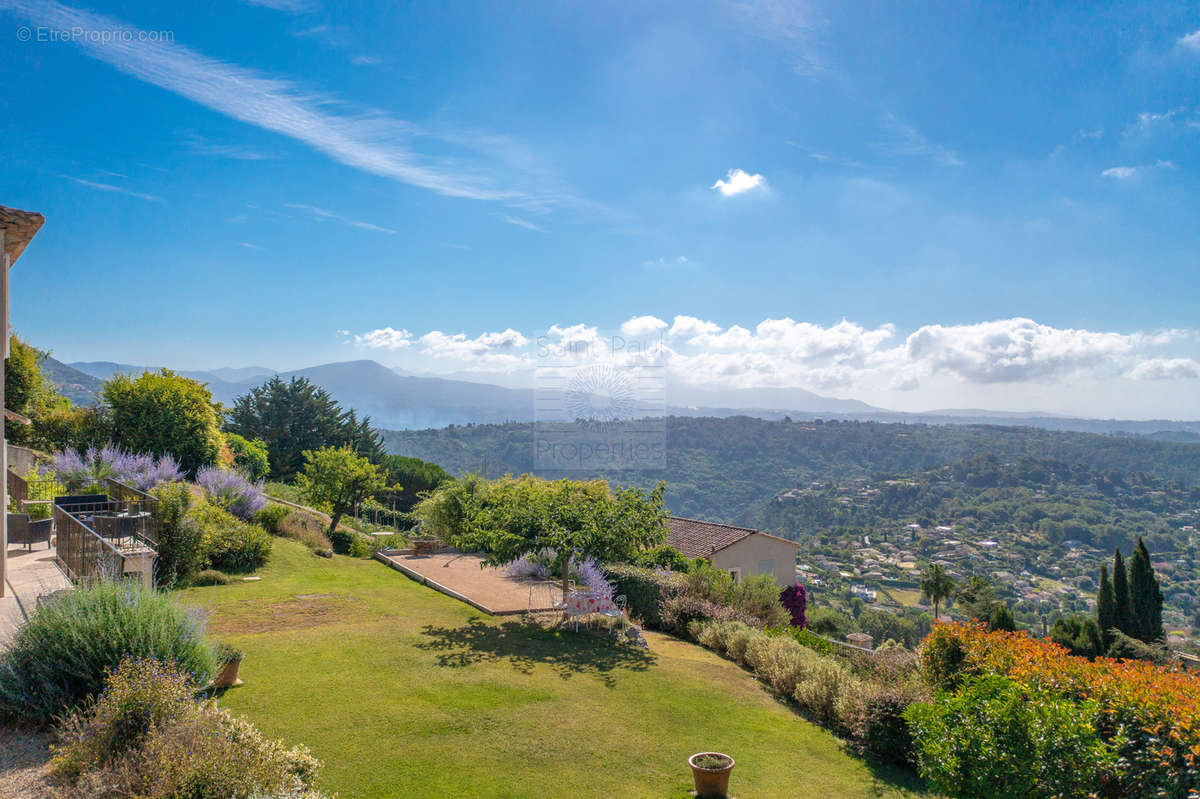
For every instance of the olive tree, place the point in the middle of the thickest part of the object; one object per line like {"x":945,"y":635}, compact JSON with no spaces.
{"x":336,"y":478}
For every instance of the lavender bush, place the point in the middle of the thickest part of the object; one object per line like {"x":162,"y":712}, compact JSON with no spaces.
{"x":231,"y":491}
{"x":81,"y":471}
{"x":526,"y":567}
{"x":591,"y":575}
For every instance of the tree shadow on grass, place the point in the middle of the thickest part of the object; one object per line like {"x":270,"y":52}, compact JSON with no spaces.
{"x":525,"y":645}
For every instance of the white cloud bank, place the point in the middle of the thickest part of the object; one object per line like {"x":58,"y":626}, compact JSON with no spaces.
{"x":1191,"y":41}
{"x":738,"y":181}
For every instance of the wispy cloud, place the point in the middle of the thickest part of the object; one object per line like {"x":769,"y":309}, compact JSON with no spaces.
{"x":199,"y":145}
{"x":323,"y":214}
{"x":1190,"y":42}
{"x":1131,"y":172}
{"x":737,"y":181}
{"x":664,"y":262}
{"x":249,"y":246}
{"x":370,"y":140}
{"x":288,"y":6}
{"x":903,"y":139}
{"x":91,"y":184}
{"x":519,"y":222}
{"x":1149,"y":122}
{"x":791,"y":23}
{"x":366,"y":60}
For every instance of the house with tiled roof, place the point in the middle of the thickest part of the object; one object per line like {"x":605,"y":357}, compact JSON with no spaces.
{"x":741,"y":551}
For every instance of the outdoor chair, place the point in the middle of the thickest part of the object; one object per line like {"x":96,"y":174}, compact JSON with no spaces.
{"x":23,"y":531}
{"x":614,"y":611}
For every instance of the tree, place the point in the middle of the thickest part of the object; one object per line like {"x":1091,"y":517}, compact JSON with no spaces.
{"x":1001,"y":619}
{"x":335,"y":478}
{"x":1122,"y":613}
{"x":937,"y":585}
{"x":294,"y":417}
{"x":1145,"y":597}
{"x":413,"y":478}
{"x":161,"y":413}
{"x":1080,"y":634}
{"x":249,"y":457}
{"x":977,"y":598}
{"x":1106,"y":610}
{"x":517,"y":516}
{"x":26,"y":389}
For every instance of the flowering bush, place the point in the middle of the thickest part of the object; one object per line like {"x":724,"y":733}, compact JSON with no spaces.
{"x":794,"y":599}
{"x":231,"y":491}
{"x":1147,"y":715}
{"x":88,"y":470}
{"x":592,"y":576}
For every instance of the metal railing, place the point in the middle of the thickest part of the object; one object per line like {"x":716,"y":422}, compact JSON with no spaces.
{"x":133,"y":500}
{"x":101,"y":540}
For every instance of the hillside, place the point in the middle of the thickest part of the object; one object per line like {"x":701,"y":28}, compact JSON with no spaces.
{"x":79,"y":387}
{"x":719,"y":468}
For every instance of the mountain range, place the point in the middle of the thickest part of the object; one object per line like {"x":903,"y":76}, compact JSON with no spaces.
{"x":399,"y":400}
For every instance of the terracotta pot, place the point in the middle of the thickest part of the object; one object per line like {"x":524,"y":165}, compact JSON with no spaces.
{"x":711,"y":782}
{"x":228,"y":676}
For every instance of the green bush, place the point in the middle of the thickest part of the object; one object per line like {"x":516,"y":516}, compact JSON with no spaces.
{"x":140,"y":696}
{"x":146,"y":738}
{"x":1124,"y":647}
{"x":309,"y":530}
{"x":210,"y":577}
{"x":943,"y":661}
{"x":644,"y":590}
{"x":249,"y":457}
{"x":161,"y":413}
{"x":830,"y":622}
{"x":876,"y":722}
{"x":994,"y":739}
{"x":271,"y":518}
{"x":180,"y":553}
{"x":813,"y":641}
{"x":346,"y":542}
{"x":64,"y":653}
{"x":228,"y":543}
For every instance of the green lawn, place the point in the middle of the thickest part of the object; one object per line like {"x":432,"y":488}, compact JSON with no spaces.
{"x":405,"y":692}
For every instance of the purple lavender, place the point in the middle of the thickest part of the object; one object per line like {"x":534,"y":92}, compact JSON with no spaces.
{"x":92,"y":468}
{"x":591,"y":575}
{"x":232,"y":491}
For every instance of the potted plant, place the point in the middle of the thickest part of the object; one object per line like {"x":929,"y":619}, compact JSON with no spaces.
{"x":229,"y":660}
{"x":710,"y":773}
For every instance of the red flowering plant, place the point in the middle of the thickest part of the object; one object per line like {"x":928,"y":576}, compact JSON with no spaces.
{"x":794,"y":599}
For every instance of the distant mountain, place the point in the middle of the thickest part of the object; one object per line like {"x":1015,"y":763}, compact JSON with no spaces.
{"x":241,"y":374}
{"x":79,"y":387}
{"x":776,"y":399}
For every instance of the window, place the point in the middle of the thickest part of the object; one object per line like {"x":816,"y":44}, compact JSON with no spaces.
{"x":766,"y":567}
{"x":736,"y":574}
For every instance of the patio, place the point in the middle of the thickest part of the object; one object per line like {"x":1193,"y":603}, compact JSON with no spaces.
{"x":31,"y":573}
{"x":465,"y":577}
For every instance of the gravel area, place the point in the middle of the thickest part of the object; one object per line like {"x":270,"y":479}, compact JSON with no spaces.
{"x":23,"y":757}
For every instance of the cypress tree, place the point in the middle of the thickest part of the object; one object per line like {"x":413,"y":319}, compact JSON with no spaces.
{"x":1145,"y":597}
{"x":1120,"y":582}
{"x":1106,"y":611}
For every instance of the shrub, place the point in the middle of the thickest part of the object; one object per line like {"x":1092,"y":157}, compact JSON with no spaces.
{"x":307,"y":529}
{"x":1124,"y":647}
{"x":347,"y":542}
{"x":231,"y":491}
{"x":249,"y":457}
{"x":271,"y":518}
{"x":645,"y":590}
{"x":794,"y":600}
{"x":70,"y":428}
{"x":830,"y":622}
{"x":997,"y":740}
{"x":160,"y":413}
{"x":943,"y":657}
{"x":227,"y":542}
{"x":139,"y":696}
{"x":179,"y":546}
{"x":1079,"y":634}
{"x":63,"y":654}
{"x":819,"y":688}
{"x":677,"y":613}
{"x":210,"y":577}
{"x":874,"y":717}
{"x":178,"y":749}
{"x":87,"y":470}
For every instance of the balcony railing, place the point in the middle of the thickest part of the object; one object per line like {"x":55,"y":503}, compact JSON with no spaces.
{"x":105,"y":539}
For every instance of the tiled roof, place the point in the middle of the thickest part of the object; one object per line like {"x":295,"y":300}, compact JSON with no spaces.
{"x":19,"y":227}
{"x":697,"y":539}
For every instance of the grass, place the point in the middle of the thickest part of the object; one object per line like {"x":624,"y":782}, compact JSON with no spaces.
{"x":405,"y":692}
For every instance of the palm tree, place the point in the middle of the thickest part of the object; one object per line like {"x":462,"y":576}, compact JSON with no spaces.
{"x":937,"y":585}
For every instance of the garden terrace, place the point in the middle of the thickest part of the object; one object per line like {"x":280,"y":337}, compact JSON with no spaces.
{"x":107,"y":536}
{"x":422,"y":695}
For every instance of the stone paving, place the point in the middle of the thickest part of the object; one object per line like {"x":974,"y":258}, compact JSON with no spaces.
{"x":464,"y":577}
{"x":31,"y":573}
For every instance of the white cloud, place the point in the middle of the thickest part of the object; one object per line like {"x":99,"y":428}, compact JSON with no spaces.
{"x":1166,"y":369}
{"x":385,"y":338}
{"x":1148,"y":122}
{"x":366,"y":139}
{"x":519,"y":222}
{"x":738,"y":182}
{"x":1010,"y":350}
{"x":666,"y":263}
{"x":323,"y":214}
{"x":289,"y":6}
{"x":691,"y":326}
{"x":488,"y":348}
{"x":642,"y":326}
{"x":1131,"y":172}
{"x":91,"y":184}
{"x":1191,"y":41}
{"x":199,"y":145}
{"x":249,"y":246}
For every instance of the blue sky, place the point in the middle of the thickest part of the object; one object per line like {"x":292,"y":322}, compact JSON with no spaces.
{"x":976,"y":205}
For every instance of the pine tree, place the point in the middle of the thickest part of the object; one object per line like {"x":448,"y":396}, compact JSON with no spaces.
{"x":1106,"y":611}
{"x":1145,"y":596}
{"x":1120,"y":581}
